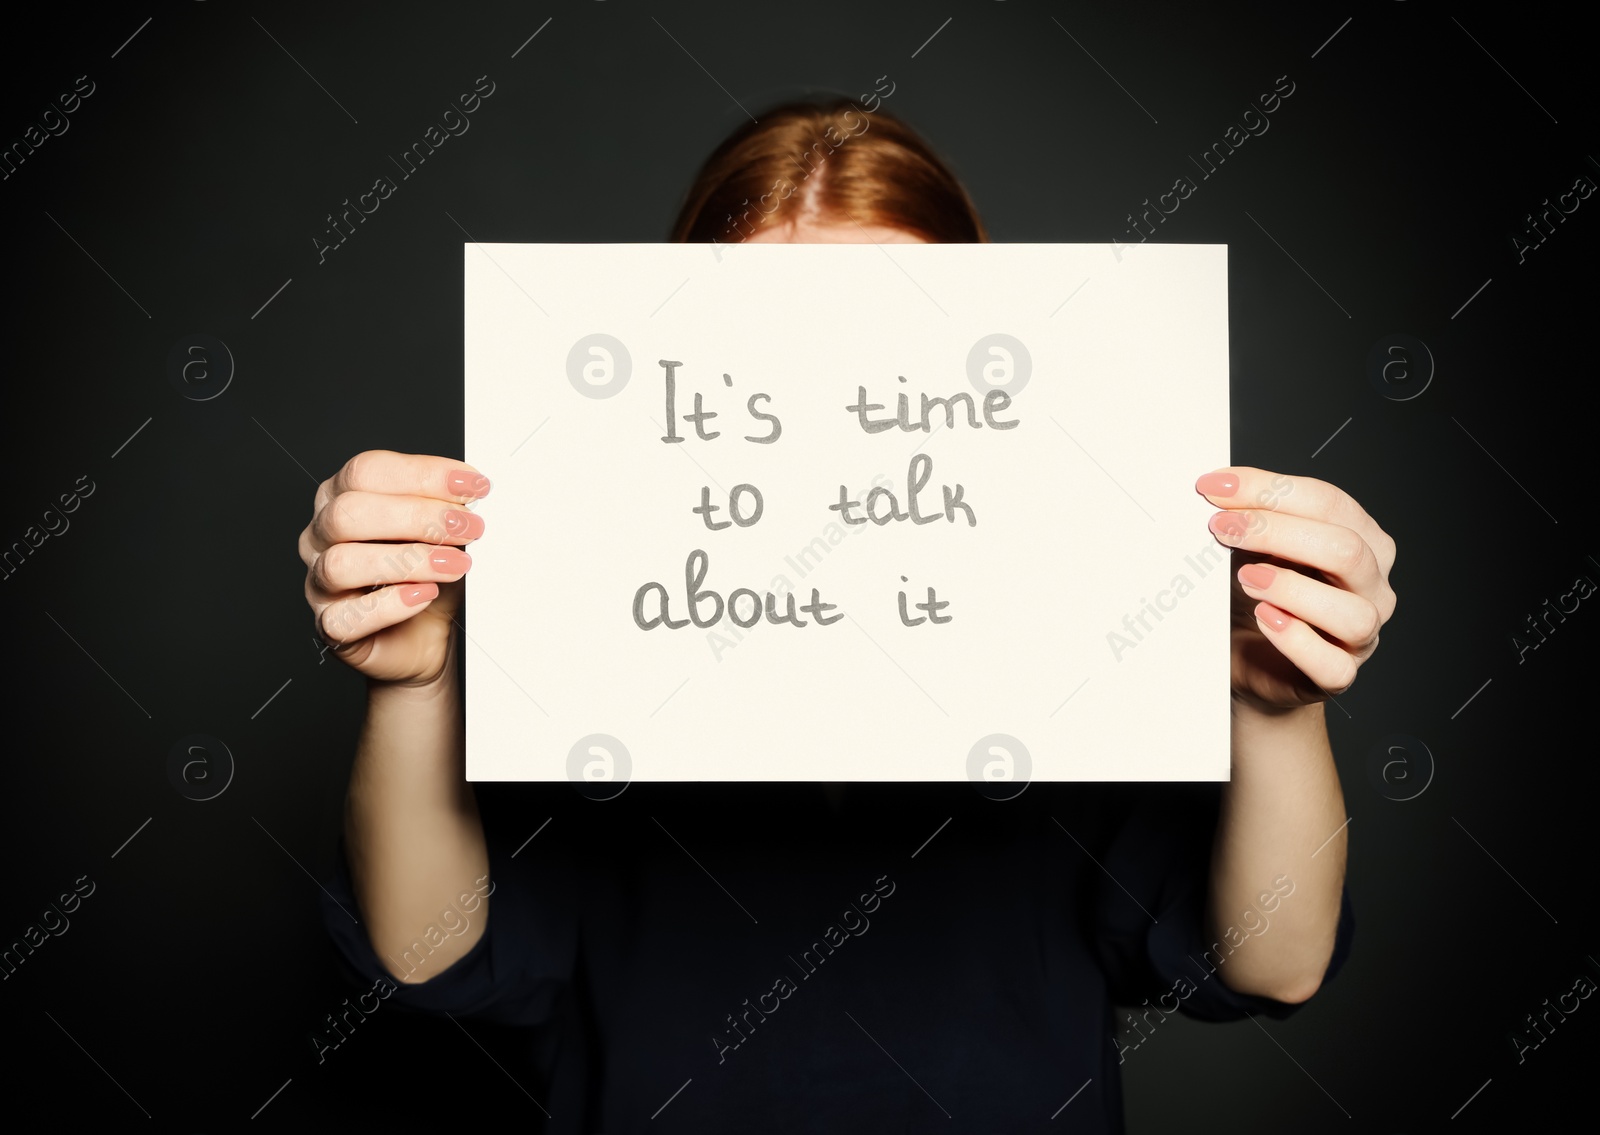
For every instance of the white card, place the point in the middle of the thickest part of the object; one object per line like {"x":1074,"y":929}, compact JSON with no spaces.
{"x":1065,"y":610}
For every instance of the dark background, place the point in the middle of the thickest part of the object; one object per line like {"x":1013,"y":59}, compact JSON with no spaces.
{"x":200,"y":169}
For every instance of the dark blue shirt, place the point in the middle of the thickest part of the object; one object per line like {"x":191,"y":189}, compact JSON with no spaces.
{"x":768,"y":960}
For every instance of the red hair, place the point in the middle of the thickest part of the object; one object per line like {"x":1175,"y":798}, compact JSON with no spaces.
{"x":827,"y":162}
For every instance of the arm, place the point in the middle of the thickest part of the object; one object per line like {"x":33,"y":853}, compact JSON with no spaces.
{"x":1309,"y":603}
{"x":412,"y":832}
{"x":384,"y":564}
{"x":1284,"y":800}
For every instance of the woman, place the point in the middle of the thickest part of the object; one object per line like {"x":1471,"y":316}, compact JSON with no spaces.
{"x":998,"y":945}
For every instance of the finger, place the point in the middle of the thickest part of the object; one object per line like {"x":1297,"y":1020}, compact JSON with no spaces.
{"x":357,"y":517}
{"x":1243,"y":486}
{"x":344,"y":567}
{"x":1337,"y":552}
{"x":405,"y":474}
{"x":359,"y":614}
{"x":1350,"y":618}
{"x":410,"y":474}
{"x":1329,"y":665}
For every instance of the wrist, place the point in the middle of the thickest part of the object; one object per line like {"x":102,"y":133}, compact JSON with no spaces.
{"x":1274,"y":733}
{"x":411,"y":691}
{"x":1257,"y":714}
{"x":439,"y":686}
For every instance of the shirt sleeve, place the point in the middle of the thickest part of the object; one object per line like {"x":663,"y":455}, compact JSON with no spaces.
{"x":1152,"y":911}
{"x":515,"y":972}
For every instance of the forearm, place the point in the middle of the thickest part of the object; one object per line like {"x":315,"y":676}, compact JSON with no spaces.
{"x":1283,"y":802}
{"x":412,"y":831}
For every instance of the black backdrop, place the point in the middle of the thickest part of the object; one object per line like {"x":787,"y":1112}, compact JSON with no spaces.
{"x":187,"y":190}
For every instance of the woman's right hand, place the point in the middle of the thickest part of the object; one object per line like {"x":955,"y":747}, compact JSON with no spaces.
{"x":384,"y":561}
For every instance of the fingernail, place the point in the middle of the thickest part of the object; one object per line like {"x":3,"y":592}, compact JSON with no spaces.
{"x":1273,"y":617}
{"x":1257,"y":576}
{"x":1228,"y":527}
{"x":413,"y":594}
{"x":1222,"y":483}
{"x":465,"y":483}
{"x":466,"y":525}
{"x":449,"y":561}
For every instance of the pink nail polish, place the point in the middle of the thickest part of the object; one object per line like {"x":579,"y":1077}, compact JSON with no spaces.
{"x":1223,"y":483}
{"x":463,"y":525}
{"x":1257,"y":576}
{"x":1228,"y":527}
{"x":1273,"y":617}
{"x":414,"y":594}
{"x":465,"y":483}
{"x":449,"y":561}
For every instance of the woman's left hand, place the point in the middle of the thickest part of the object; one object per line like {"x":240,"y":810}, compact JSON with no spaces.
{"x":1311,"y":584}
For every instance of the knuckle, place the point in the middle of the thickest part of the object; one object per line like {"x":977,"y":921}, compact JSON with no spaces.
{"x":331,"y":566}
{"x":355,"y":468}
{"x":409,"y":561}
{"x":1368,"y":624}
{"x":336,"y":524}
{"x":1347,"y":552}
{"x":323,"y":525}
{"x":427,"y":521}
{"x":396,"y":564}
{"x":1335,"y":501}
{"x":1257,"y":523}
{"x":365,"y":471}
{"x":327,"y":618}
